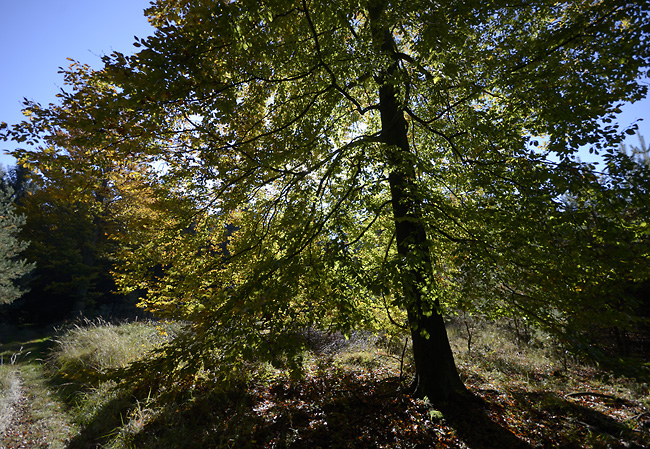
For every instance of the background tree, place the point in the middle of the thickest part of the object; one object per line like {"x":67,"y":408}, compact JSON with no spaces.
{"x":624,"y":206}
{"x":80,"y":199}
{"x":12,"y":269}
{"x":372,"y":155}
{"x":73,"y":219}
{"x":641,"y":153}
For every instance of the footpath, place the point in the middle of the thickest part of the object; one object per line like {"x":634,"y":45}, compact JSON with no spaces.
{"x":31,"y":416}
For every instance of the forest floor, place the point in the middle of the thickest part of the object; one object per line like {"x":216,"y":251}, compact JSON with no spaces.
{"x":350,"y":397}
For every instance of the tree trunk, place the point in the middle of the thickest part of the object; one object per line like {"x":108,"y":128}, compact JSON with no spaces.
{"x":89,"y":252}
{"x":436,"y":374}
{"x":88,"y":261}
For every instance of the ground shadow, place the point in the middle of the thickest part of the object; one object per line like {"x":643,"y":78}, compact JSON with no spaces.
{"x":104,"y":425}
{"x":24,"y":344}
{"x":330,"y":411}
{"x":478,"y":428}
{"x":570,"y":424}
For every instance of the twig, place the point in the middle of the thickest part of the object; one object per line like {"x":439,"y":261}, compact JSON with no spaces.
{"x":639,"y":416}
{"x":589,"y":393}
{"x":15,"y":356}
{"x":401,"y":362}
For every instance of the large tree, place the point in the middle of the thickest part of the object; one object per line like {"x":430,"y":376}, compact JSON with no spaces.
{"x":366,"y":155}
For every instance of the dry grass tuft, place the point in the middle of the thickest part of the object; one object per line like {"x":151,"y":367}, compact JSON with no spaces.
{"x":100,"y":346}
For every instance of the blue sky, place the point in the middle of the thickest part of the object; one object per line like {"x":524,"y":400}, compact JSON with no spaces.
{"x":36,"y":37}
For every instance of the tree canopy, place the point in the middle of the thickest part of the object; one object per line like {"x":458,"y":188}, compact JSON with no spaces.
{"x":353,"y":163}
{"x":73,"y":208}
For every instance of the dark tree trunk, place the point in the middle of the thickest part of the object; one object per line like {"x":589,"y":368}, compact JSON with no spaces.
{"x":436,"y":374}
{"x":89,"y":252}
{"x":88,"y":262}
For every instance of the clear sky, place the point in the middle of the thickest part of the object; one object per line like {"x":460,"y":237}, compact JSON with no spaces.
{"x":36,"y":37}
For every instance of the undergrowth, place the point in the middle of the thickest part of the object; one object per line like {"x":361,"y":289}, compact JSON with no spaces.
{"x":529,"y":394}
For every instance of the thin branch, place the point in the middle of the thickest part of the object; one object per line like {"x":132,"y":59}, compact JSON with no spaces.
{"x":333,"y":79}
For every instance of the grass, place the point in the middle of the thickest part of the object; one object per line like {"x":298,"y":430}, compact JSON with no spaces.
{"x":92,"y":348}
{"x":543,"y":391}
{"x":528,"y":394}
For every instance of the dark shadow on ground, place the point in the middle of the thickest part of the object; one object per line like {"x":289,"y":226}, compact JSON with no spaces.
{"x":566,"y":421}
{"x":477,"y":425}
{"x":104,"y":426}
{"x":24,"y":344}
{"x":339,"y":410}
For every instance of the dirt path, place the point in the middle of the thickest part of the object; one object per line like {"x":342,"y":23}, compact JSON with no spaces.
{"x":9,"y":396}
{"x":31,"y":416}
{"x":22,"y":430}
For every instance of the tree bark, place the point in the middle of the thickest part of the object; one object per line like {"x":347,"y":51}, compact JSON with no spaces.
{"x":436,"y":376}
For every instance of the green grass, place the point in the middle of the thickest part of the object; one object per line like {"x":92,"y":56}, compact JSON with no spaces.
{"x":7,"y":380}
{"x":18,"y":349}
{"x":59,"y":377}
{"x":77,"y":368}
